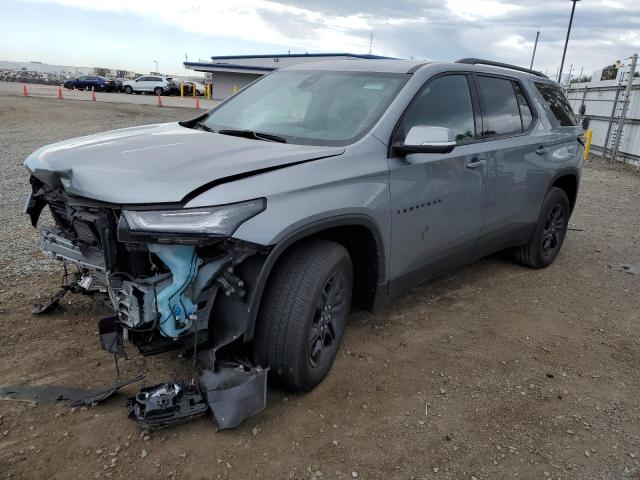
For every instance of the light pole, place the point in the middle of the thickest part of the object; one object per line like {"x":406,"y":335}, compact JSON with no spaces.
{"x":566,"y":42}
{"x":535,"y":45}
{"x":156,"y":62}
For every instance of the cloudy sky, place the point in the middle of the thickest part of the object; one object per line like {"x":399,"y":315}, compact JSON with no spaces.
{"x":131,"y":34}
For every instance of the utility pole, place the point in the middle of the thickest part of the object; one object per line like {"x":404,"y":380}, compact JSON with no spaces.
{"x":535,"y":45}
{"x":370,"y":42}
{"x":625,"y":105}
{"x":566,"y":42}
{"x":156,"y":62}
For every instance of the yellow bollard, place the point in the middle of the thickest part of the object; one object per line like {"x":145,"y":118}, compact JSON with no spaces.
{"x":587,"y":144}
{"x":193,"y":89}
{"x":235,"y":89}
{"x":182,"y":89}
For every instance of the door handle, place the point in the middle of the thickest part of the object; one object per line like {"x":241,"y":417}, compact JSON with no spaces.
{"x":475,"y":163}
{"x":541,"y":150}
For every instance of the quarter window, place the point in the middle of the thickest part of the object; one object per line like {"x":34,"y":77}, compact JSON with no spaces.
{"x":557,"y":103}
{"x":500,"y":112}
{"x":525,"y":109}
{"x":444,"y":102}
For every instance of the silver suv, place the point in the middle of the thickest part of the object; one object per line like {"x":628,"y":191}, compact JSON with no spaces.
{"x":155,"y":84}
{"x":255,"y":228}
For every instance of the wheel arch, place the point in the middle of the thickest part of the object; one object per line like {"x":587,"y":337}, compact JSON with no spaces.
{"x":567,"y":180}
{"x":357,"y":233}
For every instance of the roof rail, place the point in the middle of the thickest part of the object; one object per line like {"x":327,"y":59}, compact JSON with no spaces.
{"x":479,"y":61}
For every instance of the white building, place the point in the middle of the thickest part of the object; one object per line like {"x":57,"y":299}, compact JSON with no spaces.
{"x":228,"y":74}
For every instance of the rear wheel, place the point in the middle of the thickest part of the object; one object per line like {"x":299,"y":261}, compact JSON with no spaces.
{"x":158,"y":91}
{"x":547,"y":238}
{"x":303,"y":313}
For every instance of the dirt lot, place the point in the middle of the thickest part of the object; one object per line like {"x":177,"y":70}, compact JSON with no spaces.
{"x":492,"y":372}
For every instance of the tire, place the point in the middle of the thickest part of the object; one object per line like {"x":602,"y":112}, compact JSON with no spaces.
{"x":549,"y":234}
{"x":158,"y":91}
{"x":308,"y":297}
{"x":128,"y":89}
{"x":197,"y":93}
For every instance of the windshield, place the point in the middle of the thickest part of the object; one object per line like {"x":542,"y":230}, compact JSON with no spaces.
{"x":310,"y":107}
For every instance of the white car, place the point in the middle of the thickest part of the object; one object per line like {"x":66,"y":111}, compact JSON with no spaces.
{"x":158,"y":85}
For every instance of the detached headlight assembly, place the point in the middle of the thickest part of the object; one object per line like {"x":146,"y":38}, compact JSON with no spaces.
{"x":215,"y":221}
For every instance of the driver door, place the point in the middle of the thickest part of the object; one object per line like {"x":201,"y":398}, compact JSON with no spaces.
{"x":436,"y":198}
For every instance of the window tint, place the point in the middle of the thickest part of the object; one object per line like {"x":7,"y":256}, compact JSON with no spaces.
{"x":143,"y":79}
{"x":525,"y":109}
{"x":500,"y":112}
{"x":444,"y":102}
{"x":557,"y":103}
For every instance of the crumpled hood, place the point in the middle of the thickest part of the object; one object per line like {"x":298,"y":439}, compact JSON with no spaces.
{"x":159,"y":163}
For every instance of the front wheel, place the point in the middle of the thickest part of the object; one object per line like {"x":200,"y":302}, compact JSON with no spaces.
{"x":548,"y":236}
{"x":128,"y":89}
{"x":303,"y":313}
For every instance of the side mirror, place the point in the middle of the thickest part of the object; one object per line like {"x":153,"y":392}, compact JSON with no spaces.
{"x":426,"y":139}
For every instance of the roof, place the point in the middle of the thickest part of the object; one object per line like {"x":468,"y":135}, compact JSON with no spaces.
{"x":227,"y":66}
{"x":298,"y":55}
{"x":388,"y":66}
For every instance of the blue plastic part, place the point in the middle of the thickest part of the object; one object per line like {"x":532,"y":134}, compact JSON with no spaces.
{"x":173,"y":305}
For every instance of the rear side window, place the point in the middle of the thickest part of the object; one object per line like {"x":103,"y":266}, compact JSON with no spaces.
{"x":500,"y":111}
{"x":444,"y":102}
{"x":557,"y":103}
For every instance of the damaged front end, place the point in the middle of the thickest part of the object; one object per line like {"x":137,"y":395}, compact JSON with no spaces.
{"x":164,"y":268}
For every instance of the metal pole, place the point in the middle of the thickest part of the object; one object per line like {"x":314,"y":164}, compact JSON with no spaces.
{"x":566,"y":42}
{"x":625,"y":105}
{"x":156,"y":62}
{"x":535,"y":45}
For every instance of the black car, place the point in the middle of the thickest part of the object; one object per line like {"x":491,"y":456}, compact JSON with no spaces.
{"x":91,"y":82}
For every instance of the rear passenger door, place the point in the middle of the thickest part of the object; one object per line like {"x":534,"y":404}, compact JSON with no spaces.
{"x":436,"y":199}
{"x":516,"y":172}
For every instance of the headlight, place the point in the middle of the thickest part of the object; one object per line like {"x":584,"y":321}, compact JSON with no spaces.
{"x":220,"y":220}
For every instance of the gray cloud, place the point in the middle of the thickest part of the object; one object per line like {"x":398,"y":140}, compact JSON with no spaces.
{"x":429,"y":29}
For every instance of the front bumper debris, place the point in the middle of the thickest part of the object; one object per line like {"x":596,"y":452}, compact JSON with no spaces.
{"x":167,"y":405}
{"x":234,"y":392}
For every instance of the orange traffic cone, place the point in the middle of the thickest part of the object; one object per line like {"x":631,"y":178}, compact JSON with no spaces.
{"x":93,"y":96}
{"x":197,"y":103}
{"x":60,"y":93}
{"x":160,"y":101}
{"x":25,"y":93}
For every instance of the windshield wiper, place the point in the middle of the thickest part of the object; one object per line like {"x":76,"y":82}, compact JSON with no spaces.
{"x":203,"y":126}
{"x":253,"y":135}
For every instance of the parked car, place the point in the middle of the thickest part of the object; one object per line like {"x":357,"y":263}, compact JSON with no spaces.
{"x":91,"y":82}
{"x":157,"y":85}
{"x":189,"y":85}
{"x":256,"y":227}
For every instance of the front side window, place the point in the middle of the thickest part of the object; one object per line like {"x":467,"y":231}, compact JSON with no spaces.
{"x":310,"y":107}
{"x":500,"y":112}
{"x":444,"y":102}
{"x":557,"y":103}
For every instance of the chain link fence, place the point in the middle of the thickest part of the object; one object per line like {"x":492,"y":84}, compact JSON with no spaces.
{"x":611,"y":109}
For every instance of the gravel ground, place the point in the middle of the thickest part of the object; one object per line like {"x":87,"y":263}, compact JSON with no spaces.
{"x":492,"y":372}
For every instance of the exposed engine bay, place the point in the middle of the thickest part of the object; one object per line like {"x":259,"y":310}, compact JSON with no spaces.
{"x":167,"y":289}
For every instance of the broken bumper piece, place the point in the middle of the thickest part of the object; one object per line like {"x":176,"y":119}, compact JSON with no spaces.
{"x":167,"y":405}
{"x":233,"y":393}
